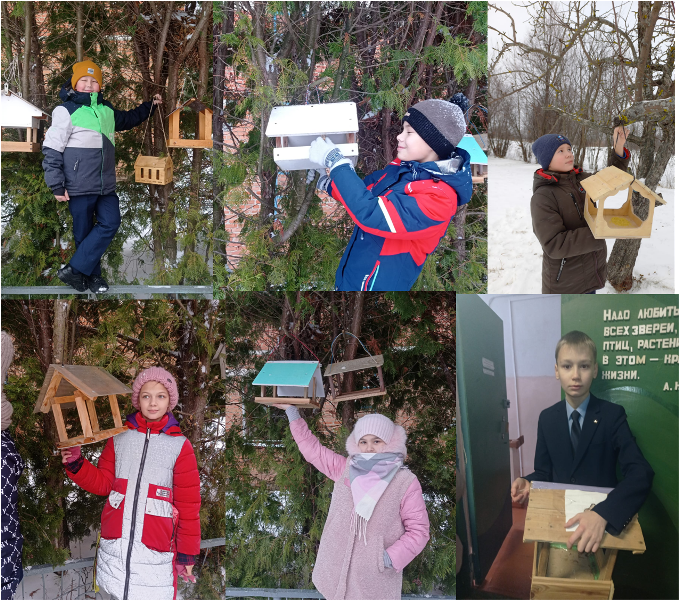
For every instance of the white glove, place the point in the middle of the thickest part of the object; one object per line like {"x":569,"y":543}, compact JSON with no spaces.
{"x":324,"y":153}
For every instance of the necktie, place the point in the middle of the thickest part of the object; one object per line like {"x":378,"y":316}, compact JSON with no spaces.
{"x":575,"y":430}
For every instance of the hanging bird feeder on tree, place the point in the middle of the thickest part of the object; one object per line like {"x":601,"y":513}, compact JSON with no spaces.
{"x":295,"y":127}
{"x":77,"y":386}
{"x":349,"y":366}
{"x":16,"y":113}
{"x":156,"y":171}
{"x":151,"y":169}
{"x":204,"y":138}
{"x":478,"y":158}
{"x":616,"y":223}
{"x":297,"y":382}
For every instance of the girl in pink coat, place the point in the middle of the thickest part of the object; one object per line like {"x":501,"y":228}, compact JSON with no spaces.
{"x":377,"y":522}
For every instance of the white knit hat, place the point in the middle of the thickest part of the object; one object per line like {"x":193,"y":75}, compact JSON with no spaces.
{"x":377,"y":425}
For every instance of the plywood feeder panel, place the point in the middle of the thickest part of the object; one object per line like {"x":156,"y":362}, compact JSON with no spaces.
{"x":560,"y":574}
{"x":297,"y":382}
{"x":78,"y":386}
{"x":17,"y":113}
{"x":295,"y":127}
{"x":616,"y":223}
{"x":204,"y":138}
{"x":152,"y":170}
{"x":358,"y":364}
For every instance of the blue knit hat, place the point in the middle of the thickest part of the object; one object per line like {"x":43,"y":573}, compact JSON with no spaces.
{"x":545,"y":147}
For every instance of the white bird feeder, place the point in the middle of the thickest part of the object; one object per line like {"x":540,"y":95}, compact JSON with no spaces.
{"x":16,"y":113}
{"x":297,"y":382}
{"x":295,"y":127}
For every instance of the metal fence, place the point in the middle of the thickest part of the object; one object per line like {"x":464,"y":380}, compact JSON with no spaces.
{"x":75,"y":583}
{"x":135,"y":291}
{"x":74,"y":579}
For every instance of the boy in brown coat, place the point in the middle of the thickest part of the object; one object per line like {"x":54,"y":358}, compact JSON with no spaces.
{"x":573,"y":261}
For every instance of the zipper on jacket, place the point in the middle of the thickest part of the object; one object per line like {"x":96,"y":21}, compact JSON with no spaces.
{"x":134,"y":513}
{"x":563,"y":262}
{"x":93,"y":98}
{"x":576,"y":205}
{"x":75,"y":166}
{"x":596,"y":270}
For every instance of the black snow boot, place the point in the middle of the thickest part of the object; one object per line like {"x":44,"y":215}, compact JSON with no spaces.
{"x":97,"y":284}
{"x":76,"y":281}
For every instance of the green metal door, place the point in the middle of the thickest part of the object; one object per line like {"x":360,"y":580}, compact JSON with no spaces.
{"x":483,"y":427}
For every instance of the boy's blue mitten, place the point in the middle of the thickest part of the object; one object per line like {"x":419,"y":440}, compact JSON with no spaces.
{"x":326,"y":154}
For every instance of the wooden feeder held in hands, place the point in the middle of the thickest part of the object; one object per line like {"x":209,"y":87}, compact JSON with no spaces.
{"x":295,"y":382}
{"x":204,"y":139}
{"x":77,"y":386}
{"x":616,"y":223}
{"x":156,"y":171}
{"x":359,"y":364}
{"x":295,"y":127}
{"x":16,"y":113}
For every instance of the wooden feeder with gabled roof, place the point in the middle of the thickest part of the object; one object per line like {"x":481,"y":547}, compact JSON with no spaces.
{"x":17,"y":113}
{"x":204,"y":139}
{"x":78,"y":386}
{"x":297,"y":382}
{"x":358,"y":364}
{"x":156,"y":171}
{"x":616,"y":223}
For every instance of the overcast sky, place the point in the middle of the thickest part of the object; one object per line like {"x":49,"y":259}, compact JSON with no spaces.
{"x":521,"y":17}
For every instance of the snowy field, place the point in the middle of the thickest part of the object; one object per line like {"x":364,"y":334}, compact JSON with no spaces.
{"x":515,"y":255}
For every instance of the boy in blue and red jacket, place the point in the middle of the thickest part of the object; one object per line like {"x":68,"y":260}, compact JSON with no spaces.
{"x":403,"y":211}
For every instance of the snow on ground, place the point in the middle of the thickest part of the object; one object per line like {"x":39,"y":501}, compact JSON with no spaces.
{"x":515,"y":255}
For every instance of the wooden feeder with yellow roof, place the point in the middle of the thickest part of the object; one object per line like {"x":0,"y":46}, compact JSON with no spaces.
{"x":78,"y":386}
{"x":616,"y":223}
{"x":297,"y":382}
{"x":204,"y":138}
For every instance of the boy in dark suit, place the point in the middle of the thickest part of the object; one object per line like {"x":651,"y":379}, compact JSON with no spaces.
{"x":581,"y":440}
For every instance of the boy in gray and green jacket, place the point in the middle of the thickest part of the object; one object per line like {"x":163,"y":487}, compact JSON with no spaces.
{"x":79,"y":167}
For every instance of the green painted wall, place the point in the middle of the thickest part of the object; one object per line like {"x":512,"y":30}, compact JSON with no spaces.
{"x":637,"y":339}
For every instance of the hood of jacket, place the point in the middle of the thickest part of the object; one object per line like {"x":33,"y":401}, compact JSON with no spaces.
{"x":455,"y":171}
{"x":67,"y":93}
{"x":396,"y":444}
{"x":168,"y":424}
{"x":541,"y":177}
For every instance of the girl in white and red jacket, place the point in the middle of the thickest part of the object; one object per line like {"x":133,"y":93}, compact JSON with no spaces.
{"x":377,"y":522}
{"x":150,"y":526}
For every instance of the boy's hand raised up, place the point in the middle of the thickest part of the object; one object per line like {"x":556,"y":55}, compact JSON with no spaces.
{"x":620,"y":134}
{"x":520,"y":490}
{"x":590,"y":531}
{"x":157,"y":99}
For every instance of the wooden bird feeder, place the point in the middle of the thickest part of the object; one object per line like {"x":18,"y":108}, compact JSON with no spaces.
{"x":295,"y":127}
{"x":616,"y":223}
{"x":359,"y":364}
{"x":204,"y":139}
{"x":77,"y":386}
{"x":156,"y":171}
{"x":297,"y":382}
{"x":16,"y":113}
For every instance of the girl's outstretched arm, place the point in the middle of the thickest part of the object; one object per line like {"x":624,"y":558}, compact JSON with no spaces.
{"x":325,"y":460}
{"x":96,"y":480}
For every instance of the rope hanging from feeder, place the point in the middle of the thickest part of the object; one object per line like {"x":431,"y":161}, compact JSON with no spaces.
{"x":162,"y":127}
{"x":332,"y":356}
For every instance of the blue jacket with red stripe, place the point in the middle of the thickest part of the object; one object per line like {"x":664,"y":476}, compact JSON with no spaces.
{"x":401,"y":214}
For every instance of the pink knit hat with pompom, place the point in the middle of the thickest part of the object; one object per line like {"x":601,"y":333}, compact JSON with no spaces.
{"x":161,"y":376}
